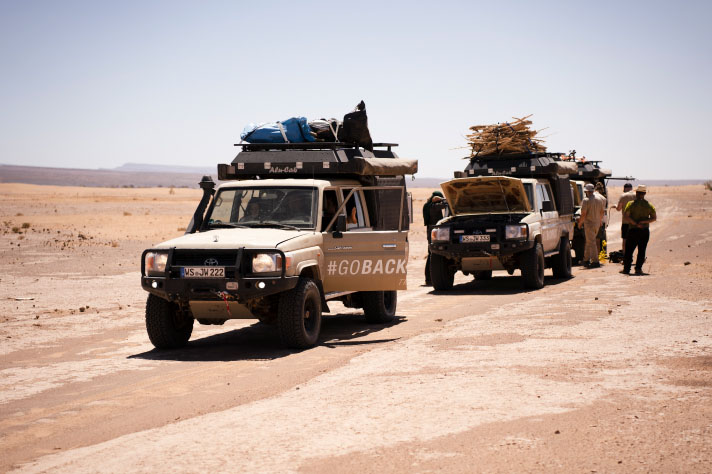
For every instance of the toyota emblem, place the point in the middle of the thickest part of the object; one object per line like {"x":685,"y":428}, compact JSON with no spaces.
{"x":211,"y":262}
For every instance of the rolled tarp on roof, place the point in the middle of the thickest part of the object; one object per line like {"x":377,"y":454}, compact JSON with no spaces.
{"x":386,"y":166}
{"x":566,"y":167}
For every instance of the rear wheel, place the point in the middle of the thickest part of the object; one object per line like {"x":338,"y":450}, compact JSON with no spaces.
{"x":483,"y":275}
{"x":299,"y":315}
{"x":532,"y":264}
{"x":379,"y":306}
{"x":166,"y":325}
{"x":441,"y":273}
{"x":561,"y":263}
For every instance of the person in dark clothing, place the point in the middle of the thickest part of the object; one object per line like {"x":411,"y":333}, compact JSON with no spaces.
{"x":432,"y":213}
{"x":641,"y":214}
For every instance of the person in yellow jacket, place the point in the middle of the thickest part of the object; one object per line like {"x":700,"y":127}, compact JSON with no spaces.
{"x":627,"y":196}
{"x":641,"y":214}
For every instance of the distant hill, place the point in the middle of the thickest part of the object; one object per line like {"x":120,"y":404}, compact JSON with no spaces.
{"x":148,"y":175}
{"x":100,"y":178}
{"x":149,"y":168}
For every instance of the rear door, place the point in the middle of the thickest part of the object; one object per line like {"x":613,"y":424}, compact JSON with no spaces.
{"x":363,"y":258}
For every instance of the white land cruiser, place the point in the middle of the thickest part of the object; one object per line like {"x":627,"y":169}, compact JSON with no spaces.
{"x":279,"y":248}
{"x":501,"y":223}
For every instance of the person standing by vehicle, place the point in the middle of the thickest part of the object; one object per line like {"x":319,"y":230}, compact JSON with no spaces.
{"x":641,"y":214}
{"x":592,"y":209}
{"x":627,"y":196}
{"x":432,"y":213}
{"x":600,"y":192}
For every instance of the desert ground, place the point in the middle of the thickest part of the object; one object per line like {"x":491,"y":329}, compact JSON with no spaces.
{"x":599,"y":373}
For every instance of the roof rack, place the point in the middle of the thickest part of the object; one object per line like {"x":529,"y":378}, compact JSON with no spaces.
{"x":314,"y":159}
{"x":519,"y":165}
{"x":307,"y":146}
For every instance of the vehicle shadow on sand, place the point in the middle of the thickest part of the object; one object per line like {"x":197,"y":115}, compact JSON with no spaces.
{"x":261,"y":342}
{"x":498,"y":285}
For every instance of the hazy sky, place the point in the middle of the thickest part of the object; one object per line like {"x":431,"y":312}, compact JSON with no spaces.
{"x":98,"y":84}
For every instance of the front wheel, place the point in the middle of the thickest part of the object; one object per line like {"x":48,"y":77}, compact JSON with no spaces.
{"x":166,"y":325}
{"x":561,"y":264}
{"x":532,"y":264}
{"x":299,"y":315}
{"x":379,"y":306}
{"x":441,"y":273}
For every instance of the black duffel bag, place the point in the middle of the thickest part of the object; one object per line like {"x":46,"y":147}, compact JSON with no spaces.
{"x":355,"y":128}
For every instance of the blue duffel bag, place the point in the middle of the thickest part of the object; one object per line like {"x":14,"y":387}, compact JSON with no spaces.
{"x":293,"y":130}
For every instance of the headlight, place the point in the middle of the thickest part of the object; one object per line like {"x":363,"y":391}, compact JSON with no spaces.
{"x":516,"y":232}
{"x":441,"y":234}
{"x":266,"y":262}
{"x":155,"y":262}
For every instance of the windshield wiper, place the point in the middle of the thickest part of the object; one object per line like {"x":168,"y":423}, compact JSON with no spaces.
{"x":230,"y":225}
{"x":279,"y":225}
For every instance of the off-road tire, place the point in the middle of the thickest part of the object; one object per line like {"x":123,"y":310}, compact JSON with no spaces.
{"x":483,"y":275}
{"x":167,"y":328}
{"x":441,"y":274}
{"x":379,"y":306}
{"x":532,"y":263}
{"x":561,"y":263}
{"x":299,"y":315}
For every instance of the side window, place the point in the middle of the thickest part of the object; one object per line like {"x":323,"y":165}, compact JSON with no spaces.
{"x":540,"y":197}
{"x":528,"y":188}
{"x":552,"y":200}
{"x":547,"y":203}
{"x":329,"y":207}
{"x":354,"y":210}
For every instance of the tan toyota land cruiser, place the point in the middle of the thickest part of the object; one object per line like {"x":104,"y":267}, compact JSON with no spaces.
{"x":295,"y":226}
{"x":508,"y":213}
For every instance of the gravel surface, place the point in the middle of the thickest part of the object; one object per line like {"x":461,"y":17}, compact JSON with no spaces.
{"x":599,"y":373}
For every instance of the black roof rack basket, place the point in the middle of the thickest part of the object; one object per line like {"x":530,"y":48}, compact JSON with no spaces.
{"x":314,"y":159}
{"x":521,"y":165}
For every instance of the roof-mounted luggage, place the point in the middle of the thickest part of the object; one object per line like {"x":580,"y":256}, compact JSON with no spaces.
{"x":313,"y":160}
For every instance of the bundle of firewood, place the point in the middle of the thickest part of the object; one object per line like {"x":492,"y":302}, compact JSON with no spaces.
{"x":504,"y":138}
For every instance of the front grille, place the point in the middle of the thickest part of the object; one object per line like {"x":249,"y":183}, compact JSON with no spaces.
{"x":197,"y":258}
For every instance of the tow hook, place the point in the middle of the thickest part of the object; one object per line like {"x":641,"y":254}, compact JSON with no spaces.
{"x":223,"y":295}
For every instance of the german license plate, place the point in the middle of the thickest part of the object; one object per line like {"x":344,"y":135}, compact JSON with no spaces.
{"x":475,"y":238}
{"x":202,"y":272}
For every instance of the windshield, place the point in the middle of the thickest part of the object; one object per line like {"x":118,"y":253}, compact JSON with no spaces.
{"x":285,"y":207}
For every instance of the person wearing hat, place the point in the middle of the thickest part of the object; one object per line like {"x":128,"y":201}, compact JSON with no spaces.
{"x":627,"y":196}
{"x":432,"y":213}
{"x":641,"y":214}
{"x":599,"y":191}
{"x":592,"y":209}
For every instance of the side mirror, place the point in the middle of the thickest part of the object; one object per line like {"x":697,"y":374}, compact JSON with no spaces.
{"x":339,"y":226}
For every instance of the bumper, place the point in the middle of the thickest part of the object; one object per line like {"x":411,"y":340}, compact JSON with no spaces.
{"x":184,"y":289}
{"x":235,"y":286}
{"x":501,"y":249}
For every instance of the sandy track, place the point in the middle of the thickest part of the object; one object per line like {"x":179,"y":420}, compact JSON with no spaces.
{"x":600,"y":372}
